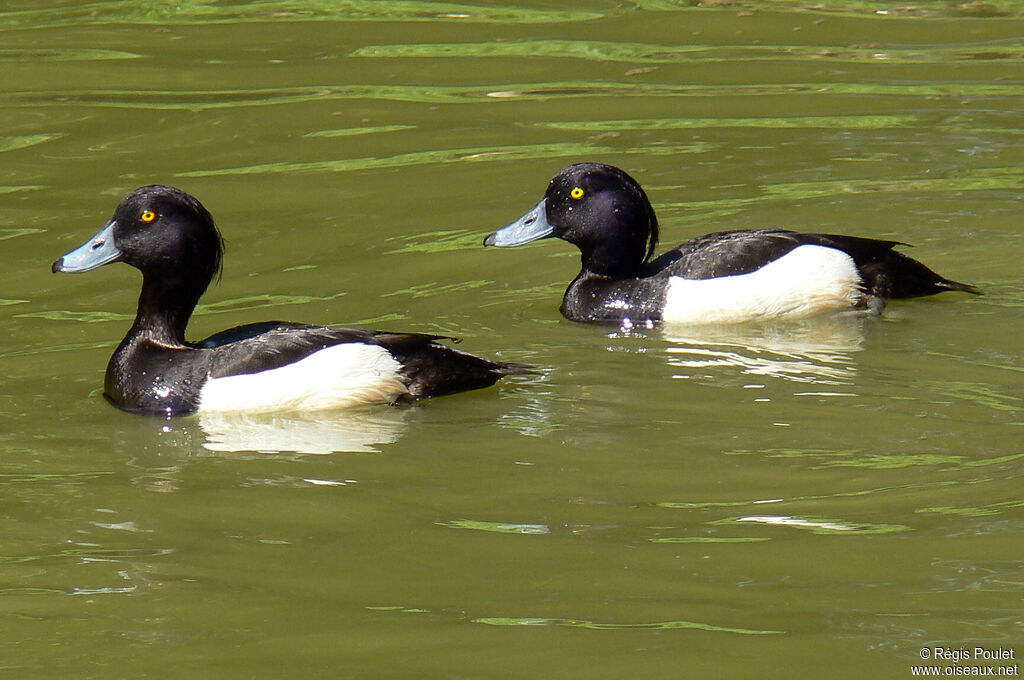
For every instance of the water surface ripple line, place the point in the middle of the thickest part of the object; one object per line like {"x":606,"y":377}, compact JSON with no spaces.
{"x":595,"y":625}
{"x":641,"y":53}
{"x":200,"y":100}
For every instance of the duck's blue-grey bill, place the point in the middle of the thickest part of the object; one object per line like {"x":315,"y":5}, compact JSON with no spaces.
{"x":530,"y":227}
{"x":98,"y":251}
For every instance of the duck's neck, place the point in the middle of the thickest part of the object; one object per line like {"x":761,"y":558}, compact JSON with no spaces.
{"x":609,"y":261}
{"x":620,"y":257}
{"x":164,"y":310}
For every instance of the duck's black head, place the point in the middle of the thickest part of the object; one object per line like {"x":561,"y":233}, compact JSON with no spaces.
{"x":161,"y":230}
{"x":600,"y":209}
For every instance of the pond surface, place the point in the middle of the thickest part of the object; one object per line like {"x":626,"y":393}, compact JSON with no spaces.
{"x":814,"y":499}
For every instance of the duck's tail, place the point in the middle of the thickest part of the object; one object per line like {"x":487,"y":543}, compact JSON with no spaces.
{"x":437,"y":370}
{"x":430,"y":369}
{"x":896,"y":275}
{"x":946,"y":284}
{"x":886,"y":272}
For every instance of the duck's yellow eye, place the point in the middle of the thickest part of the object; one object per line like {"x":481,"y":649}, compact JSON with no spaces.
{"x":576,"y":193}
{"x":147,"y":216}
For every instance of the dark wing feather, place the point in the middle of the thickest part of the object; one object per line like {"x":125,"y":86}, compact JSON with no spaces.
{"x":725,"y":253}
{"x":273,"y":344}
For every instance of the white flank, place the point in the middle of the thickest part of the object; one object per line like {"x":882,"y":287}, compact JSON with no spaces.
{"x":807,"y":280}
{"x":335,"y":377}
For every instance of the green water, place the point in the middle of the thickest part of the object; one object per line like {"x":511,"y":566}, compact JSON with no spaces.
{"x":821,"y":499}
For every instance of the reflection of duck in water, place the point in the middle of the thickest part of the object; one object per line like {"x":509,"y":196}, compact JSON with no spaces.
{"x":814,"y":350}
{"x":360,"y":430}
{"x":171,"y":238}
{"x":725,"y":277}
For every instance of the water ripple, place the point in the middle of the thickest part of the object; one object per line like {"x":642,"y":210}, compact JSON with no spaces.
{"x":800,"y":122}
{"x":641,"y":53}
{"x":208,"y":12}
{"x":200,"y":100}
{"x":595,"y":625}
{"x":407,"y":159}
{"x":41,"y":54}
{"x":10,"y":143}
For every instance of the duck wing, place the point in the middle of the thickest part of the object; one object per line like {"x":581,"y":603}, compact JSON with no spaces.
{"x":885,"y":272}
{"x":428,"y":368}
{"x":727,"y":253}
